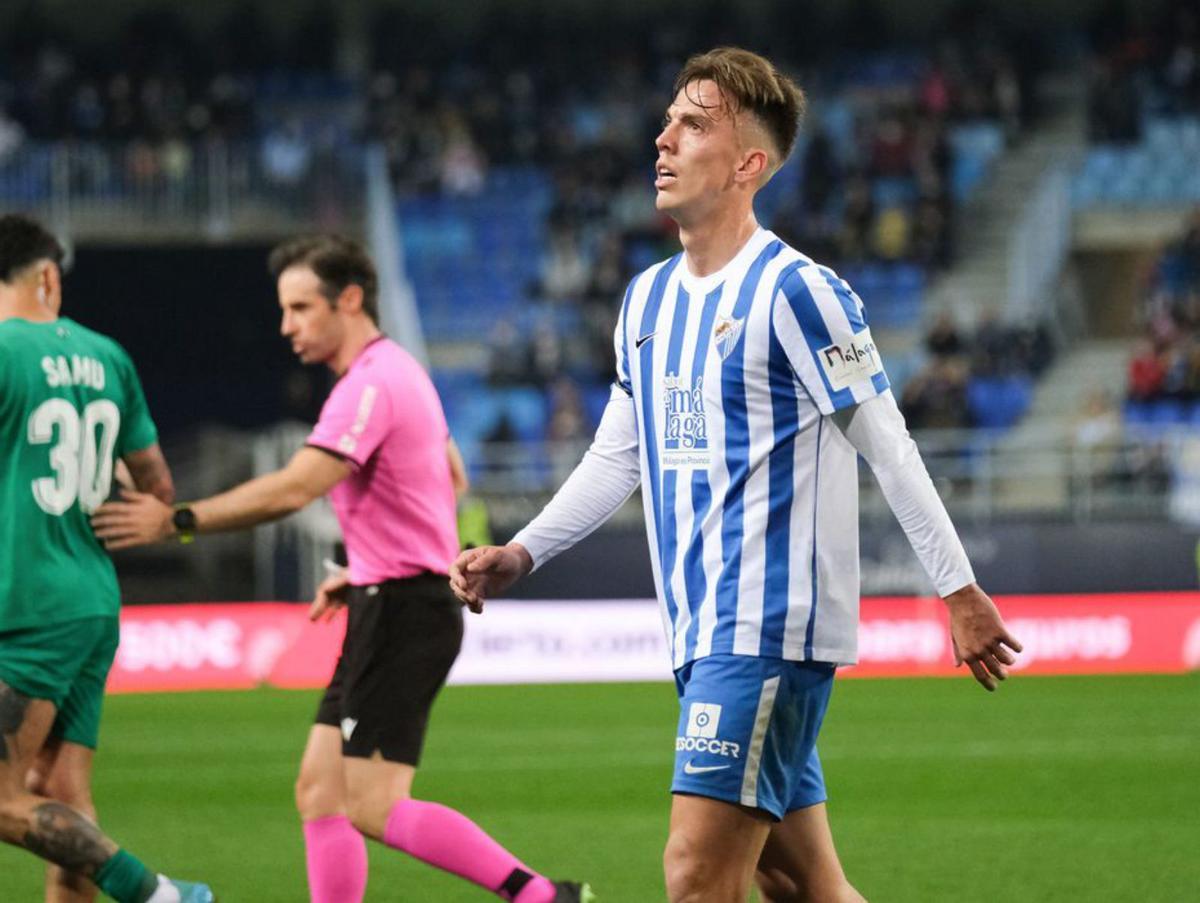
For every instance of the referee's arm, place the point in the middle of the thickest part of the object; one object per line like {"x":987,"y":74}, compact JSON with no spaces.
{"x":140,"y":518}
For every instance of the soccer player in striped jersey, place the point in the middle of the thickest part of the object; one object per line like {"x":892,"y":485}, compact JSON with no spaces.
{"x":747,"y":385}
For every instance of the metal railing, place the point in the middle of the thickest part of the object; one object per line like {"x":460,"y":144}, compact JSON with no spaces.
{"x":980,"y":475}
{"x":1038,"y":245}
{"x":175,"y":189}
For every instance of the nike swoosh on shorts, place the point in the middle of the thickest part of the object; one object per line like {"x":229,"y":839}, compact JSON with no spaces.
{"x":689,"y":768}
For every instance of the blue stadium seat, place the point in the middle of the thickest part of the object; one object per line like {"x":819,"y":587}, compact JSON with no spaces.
{"x":1168,"y":411}
{"x":999,"y":402}
{"x":595,"y":399}
{"x":1136,"y":413}
{"x":501,"y":229}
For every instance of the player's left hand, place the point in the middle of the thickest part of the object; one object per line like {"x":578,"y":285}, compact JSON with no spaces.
{"x":979,"y":636}
{"x":331,"y":596}
{"x":138,"y":519}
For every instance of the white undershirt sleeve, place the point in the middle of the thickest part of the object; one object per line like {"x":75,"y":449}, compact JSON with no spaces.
{"x":596,"y":488}
{"x":876,"y":429}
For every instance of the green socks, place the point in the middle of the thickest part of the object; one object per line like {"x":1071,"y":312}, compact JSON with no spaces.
{"x":125,"y":879}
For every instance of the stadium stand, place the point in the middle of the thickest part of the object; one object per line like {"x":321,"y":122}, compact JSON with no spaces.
{"x":558,"y":218}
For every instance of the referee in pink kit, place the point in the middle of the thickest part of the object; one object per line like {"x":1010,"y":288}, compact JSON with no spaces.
{"x":382,"y":450}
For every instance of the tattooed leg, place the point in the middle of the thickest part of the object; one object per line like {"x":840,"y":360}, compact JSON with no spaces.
{"x":61,"y":835}
{"x":62,"y":772}
{"x":13,"y":706}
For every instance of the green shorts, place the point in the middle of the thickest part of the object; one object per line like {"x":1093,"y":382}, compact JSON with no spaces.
{"x":67,"y":664}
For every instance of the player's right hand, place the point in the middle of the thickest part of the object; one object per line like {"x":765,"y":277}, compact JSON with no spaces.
{"x":331,"y":596}
{"x":480,"y":573}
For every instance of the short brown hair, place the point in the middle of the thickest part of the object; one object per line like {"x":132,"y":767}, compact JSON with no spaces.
{"x":337,"y":261}
{"x":751,"y":82}
{"x":25,"y":241}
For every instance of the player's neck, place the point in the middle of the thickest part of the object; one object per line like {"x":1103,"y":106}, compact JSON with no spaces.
{"x":359,"y":335}
{"x":15,"y":305}
{"x":711,"y":243}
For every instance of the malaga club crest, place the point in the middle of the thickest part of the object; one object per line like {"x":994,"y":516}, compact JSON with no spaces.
{"x":726,"y":335}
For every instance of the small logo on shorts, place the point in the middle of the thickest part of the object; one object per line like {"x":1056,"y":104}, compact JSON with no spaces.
{"x":703,"y":719}
{"x":348,"y":726}
{"x":689,"y":768}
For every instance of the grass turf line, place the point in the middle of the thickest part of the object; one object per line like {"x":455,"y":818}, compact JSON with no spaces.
{"x":1052,"y":789}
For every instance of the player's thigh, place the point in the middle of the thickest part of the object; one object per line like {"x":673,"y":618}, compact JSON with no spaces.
{"x":24,"y":725}
{"x":64,"y":664}
{"x":747,"y":731}
{"x":78,"y":721}
{"x":373,"y":787}
{"x":67,"y":770}
{"x":712,"y":848}
{"x":320,"y":785}
{"x":402,"y":638}
{"x":799,"y":861}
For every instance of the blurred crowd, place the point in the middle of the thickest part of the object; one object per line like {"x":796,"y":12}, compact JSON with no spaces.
{"x":161,"y":92}
{"x":871,"y":180}
{"x":1166,"y":362}
{"x":939,"y":395}
{"x":1141,"y":64}
{"x":453,"y":102}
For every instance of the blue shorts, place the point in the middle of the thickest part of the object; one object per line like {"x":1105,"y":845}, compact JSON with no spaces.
{"x":748,"y":731}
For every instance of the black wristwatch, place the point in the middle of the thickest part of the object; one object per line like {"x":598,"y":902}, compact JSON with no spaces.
{"x":184,"y":521}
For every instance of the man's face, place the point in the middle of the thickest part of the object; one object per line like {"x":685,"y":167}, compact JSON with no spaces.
{"x":309,"y":322}
{"x":698,"y":152}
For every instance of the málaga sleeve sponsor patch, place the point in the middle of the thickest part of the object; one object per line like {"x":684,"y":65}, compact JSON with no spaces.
{"x":847,"y":363}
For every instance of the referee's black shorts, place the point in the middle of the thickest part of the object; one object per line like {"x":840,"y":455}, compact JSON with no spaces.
{"x":401,"y":639}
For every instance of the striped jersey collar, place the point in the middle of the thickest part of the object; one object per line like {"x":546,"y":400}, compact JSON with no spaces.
{"x":702,"y":285}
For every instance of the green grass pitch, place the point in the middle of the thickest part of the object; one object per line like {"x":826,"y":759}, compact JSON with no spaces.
{"x":1054,"y":789}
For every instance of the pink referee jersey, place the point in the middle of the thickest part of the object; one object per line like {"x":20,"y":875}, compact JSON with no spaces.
{"x":397,"y":508}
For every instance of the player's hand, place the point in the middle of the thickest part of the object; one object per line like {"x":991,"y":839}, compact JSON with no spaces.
{"x":122,"y":476}
{"x":979,"y":636}
{"x":478,"y":574}
{"x":137,"y":519}
{"x":331,"y":596}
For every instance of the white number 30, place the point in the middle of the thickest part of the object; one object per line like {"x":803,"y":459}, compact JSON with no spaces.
{"x":82,"y":458}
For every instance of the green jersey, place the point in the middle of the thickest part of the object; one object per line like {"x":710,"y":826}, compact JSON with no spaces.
{"x":70,"y":405}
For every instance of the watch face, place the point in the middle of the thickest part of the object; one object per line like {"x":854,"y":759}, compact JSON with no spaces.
{"x":184,"y":520}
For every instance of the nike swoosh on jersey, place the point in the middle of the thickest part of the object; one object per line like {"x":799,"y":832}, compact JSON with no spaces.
{"x":638,"y":343}
{"x":689,"y":768}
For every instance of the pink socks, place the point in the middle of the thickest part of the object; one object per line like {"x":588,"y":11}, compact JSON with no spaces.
{"x":337,"y":860}
{"x":450,"y":841}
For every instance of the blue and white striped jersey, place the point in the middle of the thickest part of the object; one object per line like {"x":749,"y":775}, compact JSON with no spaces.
{"x":750,"y":494}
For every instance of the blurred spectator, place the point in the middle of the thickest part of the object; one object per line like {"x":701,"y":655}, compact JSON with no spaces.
{"x":286,"y":155}
{"x":890,"y":235}
{"x":1098,"y":436}
{"x":564,"y":271}
{"x":463,"y":169}
{"x":936,"y":398}
{"x":857,"y":217}
{"x":508,"y":355}
{"x":12,"y":136}
{"x":1147,"y":372}
{"x":1142,"y":64}
{"x":943,"y":338}
{"x":567,"y":421}
{"x":1098,"y":431}
{"x":1166,"y":361}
